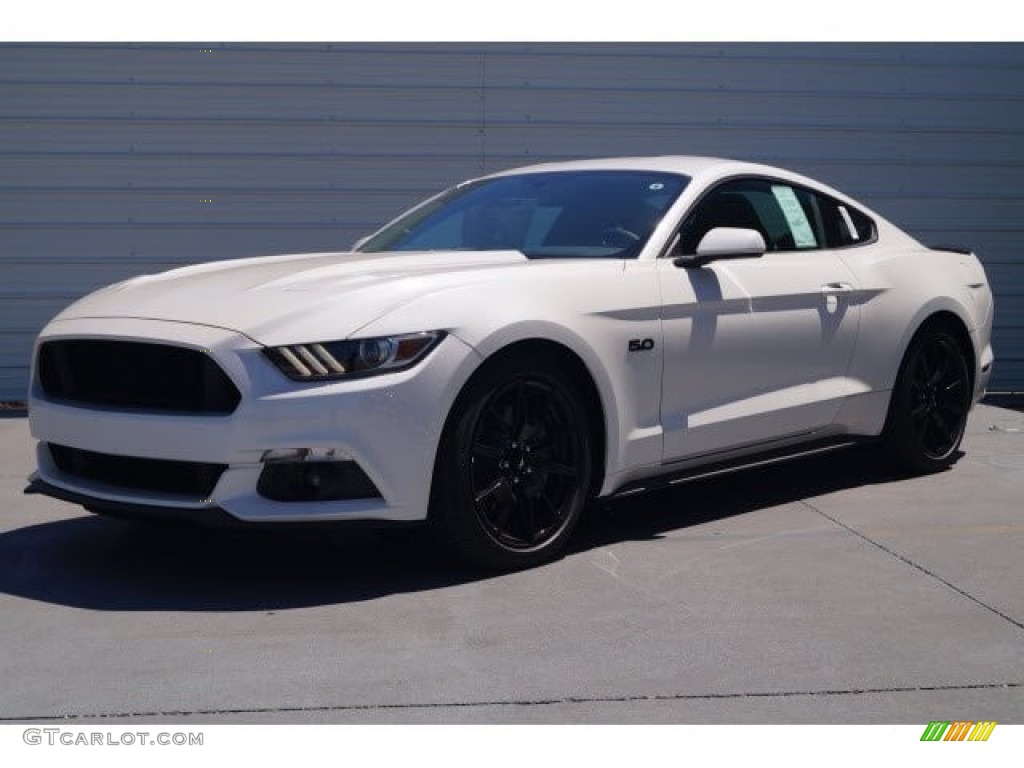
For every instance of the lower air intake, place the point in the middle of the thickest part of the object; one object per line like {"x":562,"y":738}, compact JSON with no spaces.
{"x":185,"y":478}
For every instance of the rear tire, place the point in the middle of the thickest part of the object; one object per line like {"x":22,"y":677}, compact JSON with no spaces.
{"x":929,"y":405}
{"x":514,"y":469}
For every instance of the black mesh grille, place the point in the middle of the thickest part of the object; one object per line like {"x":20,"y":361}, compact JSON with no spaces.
{"x":130,"y":374}
{"x":188,"y":478}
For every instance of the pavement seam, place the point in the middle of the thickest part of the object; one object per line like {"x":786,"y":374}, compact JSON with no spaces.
{"x":526,"y":702}
{"x":904,"y":559}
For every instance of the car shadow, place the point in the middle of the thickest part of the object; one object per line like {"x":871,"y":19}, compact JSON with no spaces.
{"x":650,"y":515}
{"x":104,"y":564}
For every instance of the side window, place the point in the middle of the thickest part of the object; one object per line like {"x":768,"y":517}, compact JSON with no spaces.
{"x":802,"y":226}
{"x":844,"y":226}
{"x":788,"y":217}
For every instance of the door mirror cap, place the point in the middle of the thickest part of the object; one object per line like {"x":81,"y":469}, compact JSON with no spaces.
{"x":725,"y":243}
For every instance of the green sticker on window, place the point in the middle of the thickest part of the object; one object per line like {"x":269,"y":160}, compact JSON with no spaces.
{"x":803,"y":235}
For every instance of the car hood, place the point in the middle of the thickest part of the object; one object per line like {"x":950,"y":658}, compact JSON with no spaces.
{"x":284,"y":299}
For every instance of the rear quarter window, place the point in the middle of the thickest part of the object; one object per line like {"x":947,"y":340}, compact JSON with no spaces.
{"x":844,"y":225}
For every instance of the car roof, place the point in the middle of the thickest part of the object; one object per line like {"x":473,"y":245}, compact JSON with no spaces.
{"x":699,"y":168}
{"x":688,"y":165}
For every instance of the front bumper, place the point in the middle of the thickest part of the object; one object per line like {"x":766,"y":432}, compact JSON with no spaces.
{"x":389,"y":425}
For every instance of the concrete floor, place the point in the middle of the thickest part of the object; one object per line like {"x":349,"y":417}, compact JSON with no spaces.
{"x":824,"y":591}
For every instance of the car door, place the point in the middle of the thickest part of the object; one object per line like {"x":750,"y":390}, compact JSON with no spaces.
{"x":755,"y":349}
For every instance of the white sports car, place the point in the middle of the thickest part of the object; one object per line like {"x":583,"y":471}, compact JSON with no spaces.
{"x":512,"y":348}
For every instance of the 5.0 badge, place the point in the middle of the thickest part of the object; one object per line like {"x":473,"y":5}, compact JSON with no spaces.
{"x":641,"y":345}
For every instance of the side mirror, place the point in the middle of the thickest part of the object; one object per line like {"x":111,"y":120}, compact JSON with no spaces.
{"x":724,"y":243}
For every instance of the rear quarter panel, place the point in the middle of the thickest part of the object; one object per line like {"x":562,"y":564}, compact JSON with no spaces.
{"x":900,"y":287}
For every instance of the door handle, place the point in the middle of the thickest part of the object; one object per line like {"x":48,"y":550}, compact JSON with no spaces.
{"x":835,"y":289}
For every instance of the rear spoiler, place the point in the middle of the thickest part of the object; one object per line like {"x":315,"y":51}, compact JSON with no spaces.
{"x":951,"y":249}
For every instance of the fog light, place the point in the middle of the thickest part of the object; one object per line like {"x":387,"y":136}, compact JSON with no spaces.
{"x":304,"y":474}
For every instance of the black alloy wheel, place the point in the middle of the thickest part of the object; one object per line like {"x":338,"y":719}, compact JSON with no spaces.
{"x":516,"y":469}
{"x":928,"y":413}
{"x":525,"y":463}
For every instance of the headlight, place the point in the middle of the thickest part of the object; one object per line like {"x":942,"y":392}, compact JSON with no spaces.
{"x":352,"y":358}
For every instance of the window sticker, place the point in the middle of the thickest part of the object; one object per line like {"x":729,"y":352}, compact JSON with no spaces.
{"x":803,"y":235}
{"x":849,"y":223}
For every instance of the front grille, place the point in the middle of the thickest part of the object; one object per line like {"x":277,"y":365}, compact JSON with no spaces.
{"x":131,"y":374}
{"x":187,"y":478}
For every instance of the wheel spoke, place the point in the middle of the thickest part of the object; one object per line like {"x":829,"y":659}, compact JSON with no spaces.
{"x":500,"y":420}
{"x":483,"y":450}
{"x":490,"y":491}
{"x":919,"y":413}
{"x":551,"y":507}
{"x":939,"y":373}
{"x":952,"y":409}
{"x":919,"y":372}
{"x":956,"y":383}
{"x":939,"y":425}
{"x":550,"y":467}
{"x":530,"y":521}
{"x":504,"y":511}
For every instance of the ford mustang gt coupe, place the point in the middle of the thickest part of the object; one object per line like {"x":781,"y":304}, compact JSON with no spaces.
{"x":512,"y":348}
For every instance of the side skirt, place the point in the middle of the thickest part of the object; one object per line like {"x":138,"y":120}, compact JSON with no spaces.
{"x":677,"y":476}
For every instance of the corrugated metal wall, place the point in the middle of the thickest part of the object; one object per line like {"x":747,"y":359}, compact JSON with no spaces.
{"x":122,"y":159}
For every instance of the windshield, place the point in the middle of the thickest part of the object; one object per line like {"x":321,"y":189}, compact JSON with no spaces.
{"x":554,"y":215}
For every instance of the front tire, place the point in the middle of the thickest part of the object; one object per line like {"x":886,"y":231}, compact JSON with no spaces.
{"x":929,"y":406}
{"x":514,"y":468}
